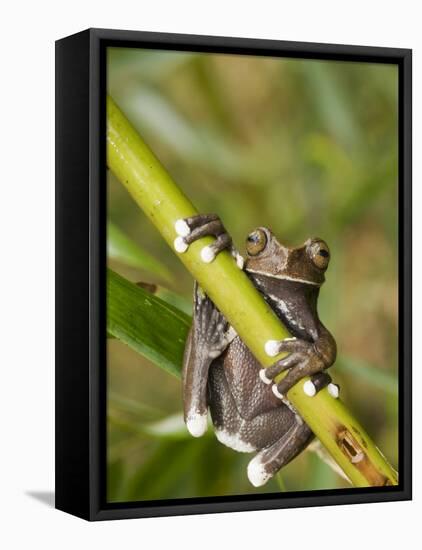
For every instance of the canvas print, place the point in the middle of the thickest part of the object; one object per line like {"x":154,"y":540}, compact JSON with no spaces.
{"x":252,"y":275}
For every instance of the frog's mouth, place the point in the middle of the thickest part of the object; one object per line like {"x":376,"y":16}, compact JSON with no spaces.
{"x":282,"y":276}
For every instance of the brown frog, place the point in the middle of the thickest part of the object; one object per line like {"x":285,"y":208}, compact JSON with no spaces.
{"x":251,"y":412}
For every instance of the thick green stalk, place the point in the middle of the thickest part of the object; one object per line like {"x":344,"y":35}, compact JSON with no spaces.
{"x":134,"y":164}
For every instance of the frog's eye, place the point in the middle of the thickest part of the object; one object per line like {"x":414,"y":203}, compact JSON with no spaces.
{"x":256,"y":242}
{"x":319,"y":254}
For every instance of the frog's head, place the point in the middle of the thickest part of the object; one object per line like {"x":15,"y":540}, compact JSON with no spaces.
{"x":306,"y":263}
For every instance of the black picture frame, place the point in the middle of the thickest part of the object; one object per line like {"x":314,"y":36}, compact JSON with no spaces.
{"x":81,"y":260}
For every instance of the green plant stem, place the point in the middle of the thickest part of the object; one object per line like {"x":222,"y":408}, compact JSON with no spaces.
{"x":137,"y":168}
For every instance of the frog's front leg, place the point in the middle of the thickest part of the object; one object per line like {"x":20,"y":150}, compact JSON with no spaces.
{"x":209,"y":336}
{"x":205,"y":225}
{"x":304,"y":359}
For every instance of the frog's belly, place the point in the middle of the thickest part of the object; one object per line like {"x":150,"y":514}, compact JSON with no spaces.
{"x":249,"y":418}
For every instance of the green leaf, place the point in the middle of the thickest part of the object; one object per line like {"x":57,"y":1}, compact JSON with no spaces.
{"x":147,"y":324}
{"x":123,"y":249}
{"x":168,"y":296}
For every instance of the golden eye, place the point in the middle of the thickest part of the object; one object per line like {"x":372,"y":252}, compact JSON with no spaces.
{"x":319,"y":254}
{"x":256,"y":242}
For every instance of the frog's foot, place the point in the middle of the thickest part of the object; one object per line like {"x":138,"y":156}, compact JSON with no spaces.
{"x":270,"y":460}
{"x":302,"y":360}
{"x":205,"y":225}
{"x":209,"y":336}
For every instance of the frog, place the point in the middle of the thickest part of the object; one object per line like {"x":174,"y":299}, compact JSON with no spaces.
{"x":248,"y":403}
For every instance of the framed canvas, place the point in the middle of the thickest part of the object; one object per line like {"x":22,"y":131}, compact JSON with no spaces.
{"x":277,"y":176}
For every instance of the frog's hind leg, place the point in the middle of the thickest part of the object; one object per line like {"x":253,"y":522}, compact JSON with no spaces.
{"x":271,"y":459}
{"x":208,"y":338}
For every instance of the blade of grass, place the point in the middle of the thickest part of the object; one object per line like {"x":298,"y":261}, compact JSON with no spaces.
{"x":146,"y":323}
{"x":280,"y":482}
{"x":168,"y":296}
{"x":122,"y":248}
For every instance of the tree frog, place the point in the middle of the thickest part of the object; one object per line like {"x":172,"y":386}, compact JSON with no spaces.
{"x":249,"y":410}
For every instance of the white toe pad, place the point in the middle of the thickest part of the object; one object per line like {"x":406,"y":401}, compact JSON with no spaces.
{"x":182,"y":228}
{"x":207,"y":254}
{"x":271,"y":348}
{"x":309,"y":388}
{"x":276,"y":392}
{"x":263,"y":377}
{"x":333,"y":390}
{"x":256,"y":472}
{"x":180,"y":245}
{"x":197,"y":424}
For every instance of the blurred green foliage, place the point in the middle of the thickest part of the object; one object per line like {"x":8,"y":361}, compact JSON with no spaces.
{"x":304,"y":147}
